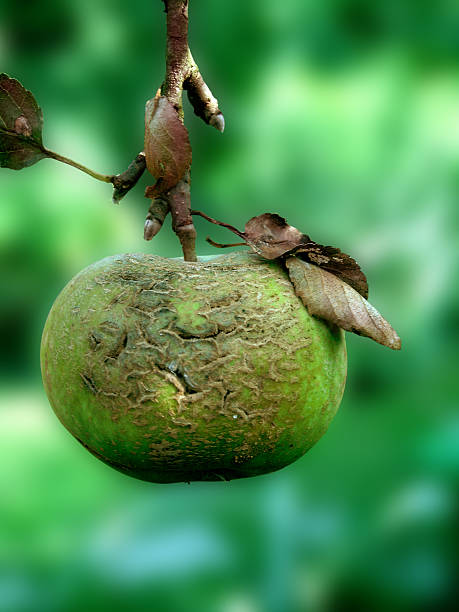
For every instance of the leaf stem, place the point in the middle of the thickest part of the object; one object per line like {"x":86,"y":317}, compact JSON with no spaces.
{"x":221,"y":223}
{"x":65,"y":160}
{"x":224,"y":246}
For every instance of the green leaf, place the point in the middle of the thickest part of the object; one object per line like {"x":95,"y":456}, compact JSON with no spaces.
{"x":21,"y":124}
{"x":330,"y":298}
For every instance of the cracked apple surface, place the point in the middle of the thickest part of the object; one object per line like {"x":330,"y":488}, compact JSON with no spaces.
{"x":171,"y":371}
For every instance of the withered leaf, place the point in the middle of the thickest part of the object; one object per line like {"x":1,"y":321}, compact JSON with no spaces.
{"x":328,"y":297}
{"x":167,"y":145}
{"x":270,"y":236}
{"x":21,"y":124}
{"x":335,"y":261}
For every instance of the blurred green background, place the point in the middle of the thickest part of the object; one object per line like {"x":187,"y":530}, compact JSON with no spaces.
{"x":342,"y":116}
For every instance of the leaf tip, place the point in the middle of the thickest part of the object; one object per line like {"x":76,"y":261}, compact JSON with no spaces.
{"x":395,"y":342}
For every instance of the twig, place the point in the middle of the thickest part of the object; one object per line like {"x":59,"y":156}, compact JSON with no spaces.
{"x":157,"y":212}
{"x":124,"y":182}
{"x":204,"y":104}
{"x":182,"y":73}
{"x":177,"y":52}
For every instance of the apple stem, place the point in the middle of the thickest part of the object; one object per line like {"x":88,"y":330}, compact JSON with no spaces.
{"x":182,"y":73}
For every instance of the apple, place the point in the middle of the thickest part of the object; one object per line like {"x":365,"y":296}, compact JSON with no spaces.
{"x":172,"y":371}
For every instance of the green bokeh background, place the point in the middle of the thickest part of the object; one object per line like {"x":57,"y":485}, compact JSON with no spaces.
{"x":342,"y":115}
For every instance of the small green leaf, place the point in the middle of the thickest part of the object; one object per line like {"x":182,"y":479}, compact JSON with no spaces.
{"x":21,"y":124}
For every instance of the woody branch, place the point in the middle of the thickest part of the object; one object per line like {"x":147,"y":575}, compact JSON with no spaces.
{"x":182,"y":73}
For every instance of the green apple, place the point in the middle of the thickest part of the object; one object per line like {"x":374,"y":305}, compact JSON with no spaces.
{"x":172,"y":371}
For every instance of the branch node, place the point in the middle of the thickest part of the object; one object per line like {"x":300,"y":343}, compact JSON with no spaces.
{"x":159,"y":209}
{"x":151,"y":228}
{"x":204,"y":103}
{"x":124,"y":182}
{"x":218,"y":121}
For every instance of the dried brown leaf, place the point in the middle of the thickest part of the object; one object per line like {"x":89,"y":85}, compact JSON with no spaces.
{"x":328,"y":297}
{"x":21,"y":124}
{"x":167,"y":145}
{"x":335,"y":261}
{"x":270,"y":236}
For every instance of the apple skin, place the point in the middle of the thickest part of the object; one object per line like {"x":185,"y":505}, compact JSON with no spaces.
{"x":172,"y":371}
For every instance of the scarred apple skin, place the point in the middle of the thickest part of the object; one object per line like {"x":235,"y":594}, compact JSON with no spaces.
{"x":171,"y":371}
